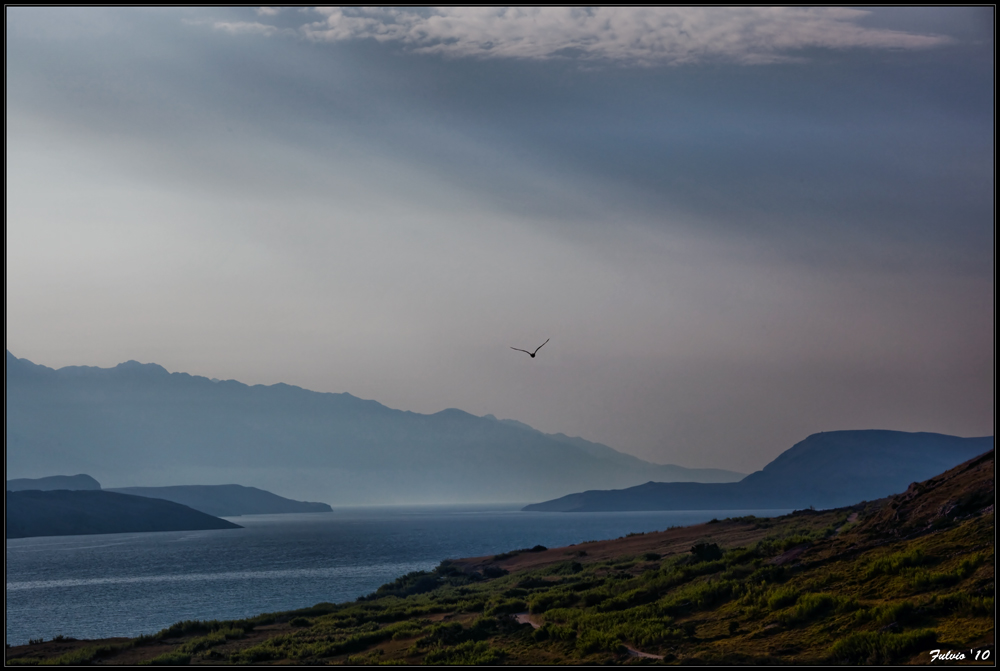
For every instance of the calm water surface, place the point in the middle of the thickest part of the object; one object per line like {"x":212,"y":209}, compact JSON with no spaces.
{"x":130,"y":584}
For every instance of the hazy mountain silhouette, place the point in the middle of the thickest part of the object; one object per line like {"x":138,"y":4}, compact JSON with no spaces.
{"x":69,"y":513}
{"x":663,"y":472}
{"x":51,"y":482}
{"x":137,"y":424}
{"x":826,"y":470}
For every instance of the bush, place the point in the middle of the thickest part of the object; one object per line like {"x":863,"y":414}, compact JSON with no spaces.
{"x":894,"y":563}
{"x":494,"y":572}
{"x":505,"y":607}
{"x":556,"y":632}
{"x":552,"y":599}
{"x":922,"y":579}
{"x":813,"y":606}
{"x":593,"y":641}
{"x":706,"y":552}
{"x":415,"y":582}
{"x":88,"y":654}
{"x":445,"y":633}
{"x":469,"y":653}
{"x":215,"y":638}
{"x":568,"y":568}
{"x":782,"y":597}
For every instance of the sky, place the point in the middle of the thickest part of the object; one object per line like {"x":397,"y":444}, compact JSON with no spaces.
{"x":738,"y":227}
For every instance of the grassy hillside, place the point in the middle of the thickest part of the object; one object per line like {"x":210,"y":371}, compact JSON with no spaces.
{"x":881,"y":582}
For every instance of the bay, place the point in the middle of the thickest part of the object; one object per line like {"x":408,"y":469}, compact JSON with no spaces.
{"x":129,"y":584}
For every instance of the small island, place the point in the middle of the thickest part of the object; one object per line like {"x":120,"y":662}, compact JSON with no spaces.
{"x":64,"y":512}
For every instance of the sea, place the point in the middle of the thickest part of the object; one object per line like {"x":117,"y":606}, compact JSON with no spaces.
{"x":108,"y":585}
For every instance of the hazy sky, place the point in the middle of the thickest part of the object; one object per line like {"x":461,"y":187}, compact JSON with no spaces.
{"x":737,"y":226}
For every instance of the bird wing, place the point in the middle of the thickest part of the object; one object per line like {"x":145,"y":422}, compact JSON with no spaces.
{"x":522,"y":350}
{"x":542,"y":345}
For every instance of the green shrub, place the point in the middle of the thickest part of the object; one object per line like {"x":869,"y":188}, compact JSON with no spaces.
{"x":782,"y":597}
{"x":814,"y":606}
{"x":88,"y":654}
{"x":552,"y":599}
{"x":415,"y":582}
{"x":494,"y":572}
{"x":505,"y":607}
{"x":594,"y":598}
{"x":471,"y":653}
{"x":211,"y":640}
{"x":569,"y":568}
{"x":922,"y":579}
{"x":556,"y":632}
{"x":706,"y":551}
{"x":445,"y":633}
{"x":592,"y":641}
{"x":960,"y":602}
{"x":894,"y":563}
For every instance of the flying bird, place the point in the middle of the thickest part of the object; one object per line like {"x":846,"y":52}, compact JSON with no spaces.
{"x":532,"y":354}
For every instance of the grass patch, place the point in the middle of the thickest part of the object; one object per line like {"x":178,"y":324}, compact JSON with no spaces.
{"x":175,"y":658}
{"x":873,"y":647}
{"x":852,"y":598}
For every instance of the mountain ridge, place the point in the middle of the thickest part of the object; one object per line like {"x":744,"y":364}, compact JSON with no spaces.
{"x":139,"y":424}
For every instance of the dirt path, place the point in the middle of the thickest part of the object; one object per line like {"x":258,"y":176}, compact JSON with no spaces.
{"x":851,"y":519}
{"x":644,"y":655}
{"x":525,"y":618}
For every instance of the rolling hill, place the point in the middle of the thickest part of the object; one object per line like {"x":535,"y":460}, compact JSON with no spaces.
{"x":826,"y":470}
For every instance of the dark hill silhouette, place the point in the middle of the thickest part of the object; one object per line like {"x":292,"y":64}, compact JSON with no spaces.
{"x":218,"y":500}
{"x":226,"y":500}
{"x":826,"y":470}
{"x":137,"y":423}
{"x":51,"y":482}
{"x":69,"y":513}
{"x":964,"y":491}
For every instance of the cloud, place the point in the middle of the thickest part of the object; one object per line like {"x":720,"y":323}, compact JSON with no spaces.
{"x":247,"y":28}
{"x":642,"y":36}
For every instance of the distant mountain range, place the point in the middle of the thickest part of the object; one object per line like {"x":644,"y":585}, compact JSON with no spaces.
{"x":78,"y":512}
{"x":826,"y":470}
{"x":138,"y":424}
